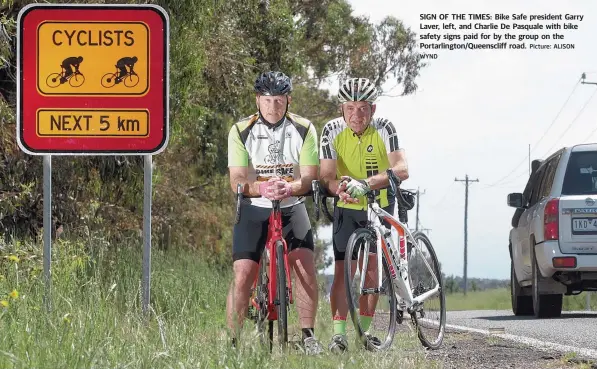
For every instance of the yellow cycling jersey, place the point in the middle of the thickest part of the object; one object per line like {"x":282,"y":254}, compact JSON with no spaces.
{"x":360,"y":157}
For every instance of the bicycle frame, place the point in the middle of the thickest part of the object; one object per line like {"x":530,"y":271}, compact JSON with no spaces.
{"x":397,"y":260}
{"x":274,"y":234}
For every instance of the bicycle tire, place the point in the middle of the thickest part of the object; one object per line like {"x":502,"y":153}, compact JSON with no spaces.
{"x":110,"y":81}
{"x":76,"y":80}
{"x":434,"y":345}
{"x":131,"y":80}
{"x":282,"y":295}
{"x":53,"y":80}
{"x":262,"y":296}
{"x":354,"y":239}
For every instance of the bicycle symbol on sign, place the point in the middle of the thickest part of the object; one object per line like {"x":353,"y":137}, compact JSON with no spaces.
{"x":128,"y":77}
{"x":74,"y":78}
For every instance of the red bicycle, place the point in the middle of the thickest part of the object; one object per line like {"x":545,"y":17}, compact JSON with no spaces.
{"x":271,"y":294}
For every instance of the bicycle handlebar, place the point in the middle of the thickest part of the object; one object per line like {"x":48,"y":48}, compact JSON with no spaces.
{"x":406,"y":198}
{"x":315,"y":192}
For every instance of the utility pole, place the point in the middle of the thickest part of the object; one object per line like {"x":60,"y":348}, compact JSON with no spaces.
{"x":417,"y":216}
{"x":466,"y":181}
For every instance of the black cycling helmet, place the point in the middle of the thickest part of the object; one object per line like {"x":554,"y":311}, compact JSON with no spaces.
{"x":273,"y":83}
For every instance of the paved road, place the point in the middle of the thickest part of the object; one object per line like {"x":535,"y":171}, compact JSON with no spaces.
{"x":577,"y":328}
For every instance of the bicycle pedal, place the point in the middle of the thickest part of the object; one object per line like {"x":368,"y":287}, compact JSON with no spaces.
{"x":399,"y":316}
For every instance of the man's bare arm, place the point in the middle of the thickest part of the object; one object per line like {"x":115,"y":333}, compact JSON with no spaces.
{"x":240,"y":175}
{"x":327,"y":174}
{"x":399,"y":167}
{"x":303,"y":184}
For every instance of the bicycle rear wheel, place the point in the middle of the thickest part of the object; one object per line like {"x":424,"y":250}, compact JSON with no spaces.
{"x":53,"y":80}
{"x":382,"y":324}
{"x":430,"y":317}
{"x":282,"y":294}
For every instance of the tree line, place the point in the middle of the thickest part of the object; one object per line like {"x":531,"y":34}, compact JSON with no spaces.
{"x":217,"y":48}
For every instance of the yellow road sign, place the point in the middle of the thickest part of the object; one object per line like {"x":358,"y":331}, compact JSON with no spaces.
{"x":92,"y":123}
{"x":93,"y":58}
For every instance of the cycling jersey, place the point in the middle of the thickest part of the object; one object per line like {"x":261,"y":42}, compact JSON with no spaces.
{"x":273,"y":149}
{"x":360,"y":157}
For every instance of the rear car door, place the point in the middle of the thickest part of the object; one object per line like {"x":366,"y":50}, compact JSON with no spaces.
{"x":578,"y":222}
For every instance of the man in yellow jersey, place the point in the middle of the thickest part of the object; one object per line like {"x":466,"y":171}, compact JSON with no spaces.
{"x":356,"y":150}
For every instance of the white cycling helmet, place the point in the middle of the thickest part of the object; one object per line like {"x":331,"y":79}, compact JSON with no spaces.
{"x":357,"y":89}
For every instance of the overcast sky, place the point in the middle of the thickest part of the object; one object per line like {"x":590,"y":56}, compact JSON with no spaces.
{"x":476,"y":112}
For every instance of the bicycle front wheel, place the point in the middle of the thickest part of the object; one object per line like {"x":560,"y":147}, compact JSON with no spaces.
{"x":76,"y":80}
{"x":425,"y":275}
{"x":282,"y":295}
{"x":131,"y":80}
{"x":374,"y":319}
{"x":265,"y":326}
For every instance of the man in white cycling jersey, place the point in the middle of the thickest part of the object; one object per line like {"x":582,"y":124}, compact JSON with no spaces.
{"x":274,"y":154}
{"x":356,"y":150}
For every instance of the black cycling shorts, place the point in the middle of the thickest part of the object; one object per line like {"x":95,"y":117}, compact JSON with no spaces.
{"x":250,"y":234}
{"x":346,"y":221}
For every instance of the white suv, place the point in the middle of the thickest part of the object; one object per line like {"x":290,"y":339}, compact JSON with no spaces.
{"x":553,"y":242}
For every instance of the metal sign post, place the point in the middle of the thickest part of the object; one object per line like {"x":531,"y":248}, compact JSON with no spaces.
{"x":93,"y":79}
{"x":47,"y":186}
{"x":147,"y":176}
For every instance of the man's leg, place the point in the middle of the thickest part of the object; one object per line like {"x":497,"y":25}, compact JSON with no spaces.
{"x":303,"y":264}
{"x":367,"y":304}
{"x":122,"y":72}
{"x":299,"y":237}
{"x":68,"y":70}
{"x":237,"y":302}
{"x":343,"y":227}
{"x":248,"y":242}
{"x":305,"y":291}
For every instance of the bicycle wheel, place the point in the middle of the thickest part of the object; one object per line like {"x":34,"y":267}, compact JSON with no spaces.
{"x":53,"y":80}
{"x":266,"y":335}
{"x":131,"y":80}
{"x":424,"y":269}
{"x":359,"y":243}
{"x":76,"y":80}
{"x":108,"y":80}
{"x":282,"y":294}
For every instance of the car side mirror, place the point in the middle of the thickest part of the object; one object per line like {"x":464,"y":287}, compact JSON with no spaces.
{"x":515,"y":200}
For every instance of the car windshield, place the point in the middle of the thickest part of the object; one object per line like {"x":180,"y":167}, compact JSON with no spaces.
{"x":581,"y":174}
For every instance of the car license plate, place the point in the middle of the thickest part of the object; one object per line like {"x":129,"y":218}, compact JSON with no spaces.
{"x":581,"y":225}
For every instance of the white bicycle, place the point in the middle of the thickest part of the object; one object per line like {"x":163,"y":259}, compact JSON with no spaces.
{"x":410,"y":274}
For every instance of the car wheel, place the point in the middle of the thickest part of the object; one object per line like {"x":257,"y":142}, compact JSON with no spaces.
{"x":544,"y":305}
{"x":521,"y":304}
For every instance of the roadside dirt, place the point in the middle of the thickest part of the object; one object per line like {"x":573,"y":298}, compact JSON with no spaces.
{"x":472,"y":350}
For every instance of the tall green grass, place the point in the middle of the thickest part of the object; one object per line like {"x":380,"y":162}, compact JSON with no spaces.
{"x":96,"y":319}
{"x":499,"y":299}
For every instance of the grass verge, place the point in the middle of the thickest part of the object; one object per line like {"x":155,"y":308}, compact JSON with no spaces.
{"x":96,"y":319}
{"x":499,"y":299}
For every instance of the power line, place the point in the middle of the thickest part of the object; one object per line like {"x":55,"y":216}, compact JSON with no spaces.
{"x":571,"y":123}
{"x":540,"y":139}
{"x":444,"y":196}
